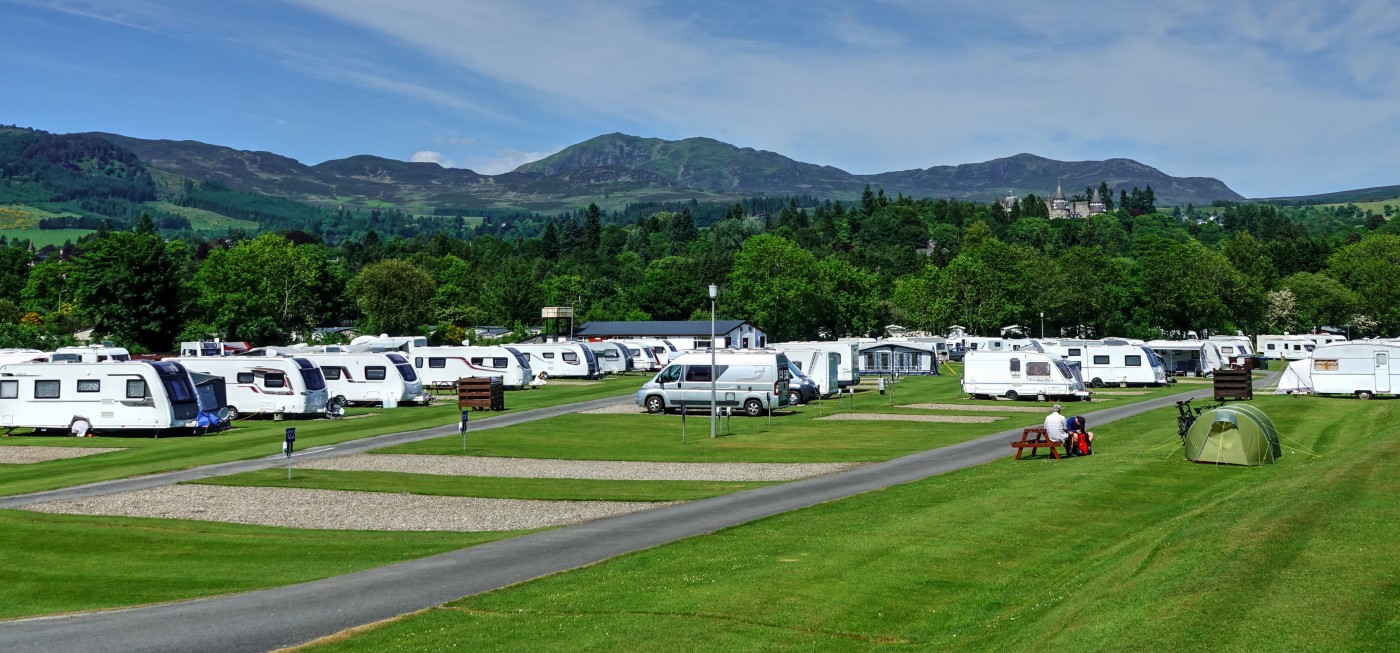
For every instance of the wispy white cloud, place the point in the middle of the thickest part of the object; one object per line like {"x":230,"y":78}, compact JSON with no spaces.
{"x":429,"y":156}
{"x":504,"y":160}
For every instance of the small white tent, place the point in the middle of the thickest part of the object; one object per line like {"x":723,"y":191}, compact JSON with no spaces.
{"x":1296,"y":379}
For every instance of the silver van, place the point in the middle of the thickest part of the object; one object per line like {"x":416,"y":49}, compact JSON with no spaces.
{"x":753,"y":381}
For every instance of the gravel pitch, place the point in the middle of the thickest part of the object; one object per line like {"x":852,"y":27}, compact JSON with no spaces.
{"x":611,"y":470}
{"x":616,"y":409}
{"x":1120,"y":393}
{"x":998,"y":408}
{"x":887,"y":417}
{"x":26,"y":455}
{"x":335,"y":509}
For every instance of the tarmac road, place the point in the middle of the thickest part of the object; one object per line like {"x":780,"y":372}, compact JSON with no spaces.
{"x":286,"y":616}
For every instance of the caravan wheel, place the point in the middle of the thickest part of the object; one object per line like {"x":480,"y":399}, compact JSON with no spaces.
{"x":1096,"y":383}
{"x":232,"y":413}
{"x":1364,"y":394}
{"x":1011,"y":394}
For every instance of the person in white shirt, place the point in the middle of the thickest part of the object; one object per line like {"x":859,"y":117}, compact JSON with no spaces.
{"x":1055,"y":425}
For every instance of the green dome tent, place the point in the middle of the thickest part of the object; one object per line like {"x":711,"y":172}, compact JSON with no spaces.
{"x":1239,"y":434}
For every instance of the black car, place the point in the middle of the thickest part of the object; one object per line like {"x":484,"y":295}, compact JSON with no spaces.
{"x":956,"y":354}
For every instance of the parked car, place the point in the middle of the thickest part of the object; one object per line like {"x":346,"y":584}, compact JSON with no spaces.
{"x":956,"y":354}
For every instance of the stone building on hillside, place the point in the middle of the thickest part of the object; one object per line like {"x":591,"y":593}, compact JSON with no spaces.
{"x":1059,"y":207}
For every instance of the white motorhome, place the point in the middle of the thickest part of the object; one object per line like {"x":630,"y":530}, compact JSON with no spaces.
{"x":819,"y":365}
{"x":1286,"y":347}
{"x":847,"y":356}
{"x":560,"y":360}
{"x":612,"y":357}
{"x":207,"y":348}
{"x":367,"y":378}
{"x":89,"y":354}
{"x":984,"y":343}
{"x":8,"y":356}
{"x":753,"y":381}
{"x":1020,"y":374}
{"x":386,"y":342}
{"x":1105,"y":363}
{"x":1363,"y":368}
{"x":81,"y":397}
{"x":442,"y":366}
{"x":258,"y":385}
{"x":1188,"y":357}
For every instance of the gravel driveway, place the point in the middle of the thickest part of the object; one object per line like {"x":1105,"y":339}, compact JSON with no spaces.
{"x":612,"y":470}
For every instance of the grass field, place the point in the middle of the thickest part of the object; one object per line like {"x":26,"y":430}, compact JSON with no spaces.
{"x":45,"y":237}
{"x":205,"y":221}
{"x":1131,"y":549}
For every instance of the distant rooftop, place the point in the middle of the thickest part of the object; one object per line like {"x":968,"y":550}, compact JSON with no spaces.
{"x":659,"y":329}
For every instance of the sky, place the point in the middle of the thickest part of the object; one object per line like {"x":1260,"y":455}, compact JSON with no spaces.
{"x":1275,"y":98}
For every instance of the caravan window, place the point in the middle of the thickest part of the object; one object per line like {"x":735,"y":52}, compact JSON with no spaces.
{"x":1132,"y":361}
{"x":1270,"y":346}
{"x":548,"y":355}
{"x":135,"y":389}
{"x":1100,"y":360}
{"x":332,"y":373}
{"x":1227,"y":350}
{"x":418,"y":362}
{"x":570,"y":357}
{"x":375,"y":372}
{"x":1015,"y":365}
{"x":9,"y":389}
{"x":274,"y":380}
{"x":436,"y":363}
{"x":1076,"y":352}
{"x":89,"y":385}
{"x":245,"y":377}
{"x":1040,"y":368}
{"x":46,"y":389}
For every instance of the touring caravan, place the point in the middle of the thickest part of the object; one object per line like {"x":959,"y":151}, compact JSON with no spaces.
{"x":1020,"y":374}
{"x":1103,"y":364}
{"x":89,"y":354}
{"x":388,"y":343}
{"x":819,"y":365}
{"x":847,"y":357}
{"x":560,"y":360}
{"x":664,"y":351}
{"x":643,"y":358}
{"x":753,"y":381}
{"x":386,"y":379}
{"x":1285,"y":347}
{"x":1320,"y":339}
{"x":8,"y":356}
{"x":1362,"y":368}
{"x":612,"y":357}
{"x":81,"y":398}
{"x":1188,"y":357}
{"x":258,"y":385}
{"x":442,"y":366}
{"x":208,"y":348}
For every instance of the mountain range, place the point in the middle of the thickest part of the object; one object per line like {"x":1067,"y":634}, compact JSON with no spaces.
{"x":615,"y":169}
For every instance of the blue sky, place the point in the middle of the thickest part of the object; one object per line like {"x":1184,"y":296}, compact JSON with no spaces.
{"x":1273,"y":98}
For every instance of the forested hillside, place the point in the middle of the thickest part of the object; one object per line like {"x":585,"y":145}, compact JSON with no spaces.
{"x":826,"y":270}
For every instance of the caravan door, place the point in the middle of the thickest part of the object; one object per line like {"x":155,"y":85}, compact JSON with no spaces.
{"x":1382,"y":372}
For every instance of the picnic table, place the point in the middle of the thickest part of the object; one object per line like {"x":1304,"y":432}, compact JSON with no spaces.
{"x":1035,"y":438}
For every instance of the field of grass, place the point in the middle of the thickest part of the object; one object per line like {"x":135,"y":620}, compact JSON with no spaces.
{"x":1132,"y":549}
{"x":45,"y":237}
{"x":257,"y":438}
{"x":205,"y":221}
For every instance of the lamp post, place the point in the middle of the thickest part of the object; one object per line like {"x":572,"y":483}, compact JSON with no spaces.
{"x":714,"y":406}
{"x":1042,"y":325}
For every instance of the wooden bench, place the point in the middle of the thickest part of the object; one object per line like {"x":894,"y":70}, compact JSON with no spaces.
{"x":1035,"y":438}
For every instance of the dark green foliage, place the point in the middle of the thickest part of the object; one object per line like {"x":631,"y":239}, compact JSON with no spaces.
{"x":128,"y":284}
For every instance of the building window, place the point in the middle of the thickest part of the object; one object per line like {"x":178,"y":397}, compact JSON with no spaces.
{"x":89,"y":385}
{"x":46,"y":389}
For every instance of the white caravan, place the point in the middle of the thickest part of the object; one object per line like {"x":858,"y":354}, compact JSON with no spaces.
{"x":1285,"y":347}
{"x":8,"y":356}
{"x":386,"y":379}
{"x":560,"y":360}
{"x":388,"y":343}
{"x":847,"y":356}
{"x":207,"y":348}
{"x":1020,"y":374}
{"x":1234,"y":346}
{"x":1320,"y":339}
{"x":1362,"y":368}
{"x":1109,"y":363}
{"x":643,"y":358}
{"x":264,"y":385}
{"x":753,"y":381}
{"x":818,"y":365}
{"x":612,"y":357}
{"x":89,"y":354}
{"x":664,"y":351}
{"x":1188,"y":357}
{"x":442,"y":366}
{"x":109,"y":396}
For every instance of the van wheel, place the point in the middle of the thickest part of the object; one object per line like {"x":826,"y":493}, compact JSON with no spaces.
{"x":753,"y":408}
{"x":1364,"y":394}
{"x":232,"y":413}
{"x":794,"y":397}
{"x":655,"y":404}
{"x":1096,"y":383}
{"x":1011,"y":394}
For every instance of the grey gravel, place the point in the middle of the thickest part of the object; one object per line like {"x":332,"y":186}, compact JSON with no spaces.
{"x":612,"y":470}
{"x":26,"y":455}
{"x":890,"y":417}
{"x":997,"y":407}
{"x":336,"y":509}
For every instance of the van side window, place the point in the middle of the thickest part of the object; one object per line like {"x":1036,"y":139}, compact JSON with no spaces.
{"x":135,"y":389}
{"x":671,"y":374}
{"x":9,"y":389}
{"x":569,"y":357}
{"x":1041,"y":368}
{"x":374,"y":373}
{"x":1100,"y":360}
{"x":1015,"y":365}
{"x":245,"y":377}
{"x":46,"y":389}
{"x":89,"y":385}
{"x":274,"y":380}
{"x":1271,"y":346}
{"x":1132,"y":361}
{"x":436,"y":362}
{"x":418,"y":362}
{"x":697,"y":374}
{"x":332,"y":373}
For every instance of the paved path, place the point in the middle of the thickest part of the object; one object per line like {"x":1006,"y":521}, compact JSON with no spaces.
{"x":285,"y":616}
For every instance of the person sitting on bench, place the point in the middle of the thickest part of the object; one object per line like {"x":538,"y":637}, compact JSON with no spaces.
{"x":1055,"y":430}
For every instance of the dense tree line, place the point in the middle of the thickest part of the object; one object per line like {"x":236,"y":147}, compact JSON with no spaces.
{"x":823,"y":270}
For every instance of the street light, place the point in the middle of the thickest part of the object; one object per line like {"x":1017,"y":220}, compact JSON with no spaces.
{"x":714,"y":406}
{"x":1042,"y":325}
